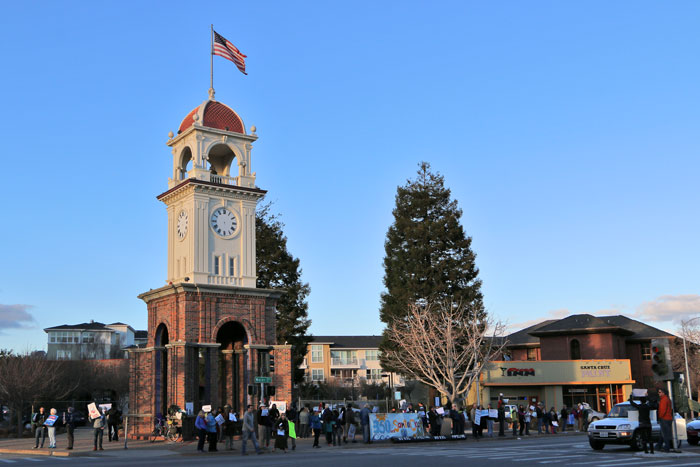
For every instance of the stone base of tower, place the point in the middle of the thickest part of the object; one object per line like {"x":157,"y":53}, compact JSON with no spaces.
{"x":206,"y":345}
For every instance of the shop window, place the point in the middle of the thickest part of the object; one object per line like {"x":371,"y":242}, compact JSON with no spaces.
{"x":532,"y":354}
{"x":646,"y":351}
{"x":575,"y":350}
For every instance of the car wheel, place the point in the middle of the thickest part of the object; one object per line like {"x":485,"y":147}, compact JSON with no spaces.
{"x":637,"y":443}
{"x":597,"y":445}
{"x":694,"y":442}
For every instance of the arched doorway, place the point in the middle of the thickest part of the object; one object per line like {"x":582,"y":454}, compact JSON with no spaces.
{"x":232,"y":364}
{"x":161,"y":369}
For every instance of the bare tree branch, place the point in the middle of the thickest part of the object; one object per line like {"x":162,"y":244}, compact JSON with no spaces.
{"x":443,"y":345}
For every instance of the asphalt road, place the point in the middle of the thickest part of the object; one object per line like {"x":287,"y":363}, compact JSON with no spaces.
{"x":570,"y":450}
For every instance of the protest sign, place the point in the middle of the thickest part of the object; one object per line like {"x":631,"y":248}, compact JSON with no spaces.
{"x":477,"y":417}
{"x":395,"y":425}
{"x":206,"y":408}
{"x":105,"y":407}
{"x":92,"y":411}
{"x":219,"y":419}
{"x":232,"y":417}
{"x":51,"y":420}
{"x":555,"y":423}
{"x":292,"y":430}
{"x":493,"y":413}
{"x":281,"y":405}
{"x":189,"y":408}
{"x":440,"y":410}
{"x":640,"y":392}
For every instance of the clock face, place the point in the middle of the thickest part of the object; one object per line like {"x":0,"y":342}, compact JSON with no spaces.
{"x":223,"y":222}
{"x":182,"y":224}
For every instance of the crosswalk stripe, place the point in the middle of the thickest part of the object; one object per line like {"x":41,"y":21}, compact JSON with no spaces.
{"x":7,"y":461}
{"x":634,"y":463}
{"x":31,"y":460}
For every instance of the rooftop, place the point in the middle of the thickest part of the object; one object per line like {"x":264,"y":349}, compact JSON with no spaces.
{"x":349,"y":342}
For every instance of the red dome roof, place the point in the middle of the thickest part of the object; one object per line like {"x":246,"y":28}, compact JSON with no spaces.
{"x":216,"y":115}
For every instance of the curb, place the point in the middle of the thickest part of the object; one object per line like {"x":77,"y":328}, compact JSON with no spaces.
{"x":35,"y":452}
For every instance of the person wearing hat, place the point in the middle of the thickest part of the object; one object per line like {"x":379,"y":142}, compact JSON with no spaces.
{"x":264,"y":426}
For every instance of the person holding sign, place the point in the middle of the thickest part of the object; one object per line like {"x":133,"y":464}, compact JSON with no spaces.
{"x":282,"y":433}
{"x":644,"y":407}
{"x":51,"y":425}
{"x":228,"y":427}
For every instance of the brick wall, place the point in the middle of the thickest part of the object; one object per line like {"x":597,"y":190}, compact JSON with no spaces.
{"x":193,"y":317}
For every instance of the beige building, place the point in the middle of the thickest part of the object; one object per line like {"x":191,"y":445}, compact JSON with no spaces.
{"x":346,"y":360}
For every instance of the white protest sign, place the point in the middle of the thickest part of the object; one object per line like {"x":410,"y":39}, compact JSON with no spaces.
{"x":440,"y":410}
{"x":477,"y":417}
{"x":92,"y":411}
{"x":493,"y":413}
{"x":232,"y":417}
{"x":206,"y":408}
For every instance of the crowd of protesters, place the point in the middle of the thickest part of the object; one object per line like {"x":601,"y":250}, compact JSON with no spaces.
{"x":45,"y":425}
{"x":268,"y":428}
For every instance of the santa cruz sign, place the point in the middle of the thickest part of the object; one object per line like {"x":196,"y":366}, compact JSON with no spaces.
{"x":560,"y":372}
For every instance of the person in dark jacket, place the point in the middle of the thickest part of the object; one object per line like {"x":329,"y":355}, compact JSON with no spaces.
{"x":522,"y":416}
{"x":69,"y":422}
{"x":292,"y":417}
{"x":644,"y":407}
{"x":114,"y":419}
{"x":564,"y":418}
{"x":434,"y":422}
{"x":40,"y":430}
{"x":281,"y":431}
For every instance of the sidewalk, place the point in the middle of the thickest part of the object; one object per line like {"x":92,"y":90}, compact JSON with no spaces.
{"x":83,"y":445}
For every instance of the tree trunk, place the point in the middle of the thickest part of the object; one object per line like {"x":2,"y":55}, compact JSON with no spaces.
{"x":20,"y":428}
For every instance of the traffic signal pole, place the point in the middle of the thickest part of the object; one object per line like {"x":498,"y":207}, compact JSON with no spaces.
{"x":673,"y":416}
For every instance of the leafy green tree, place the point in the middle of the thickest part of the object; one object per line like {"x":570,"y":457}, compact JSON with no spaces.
{"x":428,"y":256}
{"x":278,"y":269}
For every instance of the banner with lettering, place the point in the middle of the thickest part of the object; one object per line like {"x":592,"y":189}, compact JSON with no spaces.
{"x":395,"y":425}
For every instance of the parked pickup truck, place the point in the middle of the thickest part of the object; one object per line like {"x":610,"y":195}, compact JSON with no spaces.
{"x":617,"y":428}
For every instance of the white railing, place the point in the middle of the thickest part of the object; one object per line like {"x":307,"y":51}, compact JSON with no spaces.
{"x":223,"y":280}
{"x":223,"y":179}
{"x":339,"y":361}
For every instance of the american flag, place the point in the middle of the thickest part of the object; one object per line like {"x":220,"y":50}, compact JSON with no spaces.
{"x":224,"y":48}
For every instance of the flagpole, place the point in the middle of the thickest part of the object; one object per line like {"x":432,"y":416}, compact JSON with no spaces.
{"x":211,"y":78}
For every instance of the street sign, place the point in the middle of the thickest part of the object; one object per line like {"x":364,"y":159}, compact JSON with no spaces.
{"x":263,"y":379}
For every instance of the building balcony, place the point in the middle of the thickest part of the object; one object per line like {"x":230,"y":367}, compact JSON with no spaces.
{"x":345,"y":363}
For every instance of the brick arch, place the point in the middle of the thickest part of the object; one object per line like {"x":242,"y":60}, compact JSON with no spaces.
{"x":168,"y":328}
{"x":249,"y":329}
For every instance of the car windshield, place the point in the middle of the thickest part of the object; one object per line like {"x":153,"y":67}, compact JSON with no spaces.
{"x":620,"y":411}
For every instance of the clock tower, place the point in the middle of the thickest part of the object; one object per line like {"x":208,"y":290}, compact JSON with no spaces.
{"x":211,"y":332}
{"x":211,"y":199}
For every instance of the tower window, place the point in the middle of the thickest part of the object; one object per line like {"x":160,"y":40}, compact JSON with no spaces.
{"x":575,"y":350}
{"x":230,"y":266}
{"x":216,"y":265}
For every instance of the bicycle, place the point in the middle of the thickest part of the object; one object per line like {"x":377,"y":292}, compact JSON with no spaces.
{"x":158,"y":430}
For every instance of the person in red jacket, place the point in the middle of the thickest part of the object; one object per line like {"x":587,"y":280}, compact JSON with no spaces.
{"x":665,"y":416}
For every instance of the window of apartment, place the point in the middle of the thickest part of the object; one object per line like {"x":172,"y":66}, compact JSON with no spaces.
{"x":316,"y":354}
{"x":317,"y":374}
{"x":344,"y":357}
{"x":88,"y":338}
{"x":575,"y":350}
{"x":64,"y":337}
{"x":372,"y":355}
{"x":646,"y":351}
{"x":230,"y":266}
{"x":63,"y":355}
{"x":217,"y":260}
{"x":532,"y":354}
{"x":374,"y":374}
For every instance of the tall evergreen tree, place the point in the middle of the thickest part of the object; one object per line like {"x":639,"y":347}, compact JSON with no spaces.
{"x":278,"y":269}
{"x":428,"y":256}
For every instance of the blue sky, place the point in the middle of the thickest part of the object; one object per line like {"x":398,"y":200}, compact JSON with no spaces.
{"x":567,"y":131}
